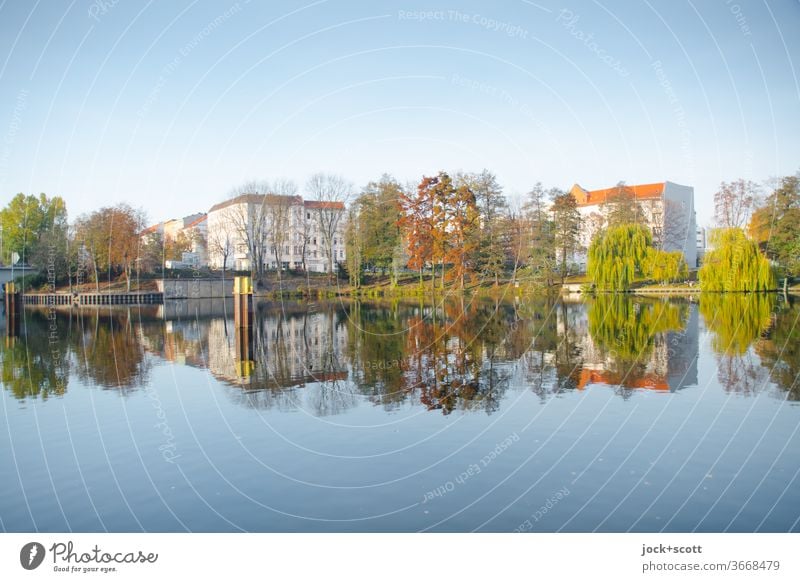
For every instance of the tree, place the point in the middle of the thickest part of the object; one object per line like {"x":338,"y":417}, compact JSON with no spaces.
{"x":492,"y":209}
{"x":329,"y":193}
{"x":111,"y":239}
{"x":354,"y":243}
{"x":220,"y":243}
{"x":26,"y":220}
{"x":378,"y":215}
{"x":566,"y":229}
{"x":417,"y":222}
{"x":461,"y":226}
{"x":278,"y":216}
{"x":175,"y":247}
{"x":673,"y":231}
{"x":735,"y":263}
{"x":247,"y":216}
{"x":774,"y":225}
{"x":617,"y":256}
{"x":539,"y":246}
{"x":734,"y":202}
{"x":622,"y":207}
{"x":151,"y":251}
{"x":666,"y":266}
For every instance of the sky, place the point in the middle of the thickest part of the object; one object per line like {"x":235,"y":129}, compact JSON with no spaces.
{"x":168,"y":106}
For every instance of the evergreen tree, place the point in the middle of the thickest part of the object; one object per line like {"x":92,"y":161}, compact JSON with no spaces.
{"x":492,"y":208}
{"x":566,"y":229}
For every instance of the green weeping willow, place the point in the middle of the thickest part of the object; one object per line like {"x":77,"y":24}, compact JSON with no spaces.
{"x":622,"y":253}
{"x":735,"y":264}
{"x":736,"y":320}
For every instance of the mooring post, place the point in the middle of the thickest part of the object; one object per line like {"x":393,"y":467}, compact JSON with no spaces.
{"x":13,"y":305}
{"x":243,"y":322}
{"x":242,"y":302}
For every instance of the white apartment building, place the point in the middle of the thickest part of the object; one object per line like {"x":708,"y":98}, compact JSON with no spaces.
{"x":305,"y":233}
{"x":668,"y":209}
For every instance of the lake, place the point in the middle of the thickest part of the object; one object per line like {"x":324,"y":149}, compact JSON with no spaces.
{"x":614,"y":414}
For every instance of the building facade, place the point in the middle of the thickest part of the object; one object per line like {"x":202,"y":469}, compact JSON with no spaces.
{"x":667,"y":208}
{"x":283,"y":232}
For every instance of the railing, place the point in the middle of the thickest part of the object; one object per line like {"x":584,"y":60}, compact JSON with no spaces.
{"x":135,"y":298}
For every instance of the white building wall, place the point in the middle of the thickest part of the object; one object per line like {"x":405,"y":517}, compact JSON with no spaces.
{"x":683,"y":235}
{"x":303,"y":224}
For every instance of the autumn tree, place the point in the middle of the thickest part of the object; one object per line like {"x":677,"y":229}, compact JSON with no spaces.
{"x":775,"y":225}
{"x":734,"y":202}
{"x":461,"y":227}
{"x":110,"y":237}
{"x":175,"y":247}
{"x":417,"y":223}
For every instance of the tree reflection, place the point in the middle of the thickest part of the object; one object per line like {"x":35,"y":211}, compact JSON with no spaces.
{"x":36,"y":364}
{"x":629,"y":341}
{"x":779,"y":351}
{"x":108,"y":350}
{"x":457,"y":355}
{"x":738,"y":321}
{"x":100,"y":348}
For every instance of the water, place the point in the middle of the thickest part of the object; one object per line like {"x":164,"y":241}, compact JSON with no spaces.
{"x":618,"y":414}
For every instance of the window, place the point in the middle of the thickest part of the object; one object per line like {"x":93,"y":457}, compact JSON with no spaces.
{"x":308,"y":216}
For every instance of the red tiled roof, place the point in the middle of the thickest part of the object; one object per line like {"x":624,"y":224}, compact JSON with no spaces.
{"x":323,"y":204}
{"x":649,"y":381}
{"x":639,"y":192}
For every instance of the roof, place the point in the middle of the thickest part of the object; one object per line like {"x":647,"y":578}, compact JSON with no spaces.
{"x":639,"y":192}
{"x":198,"y":221}
{"x":150,"y":229}
{"x":649,"y":381}
{"x":257,"y":199}
{"x":323,"y":204}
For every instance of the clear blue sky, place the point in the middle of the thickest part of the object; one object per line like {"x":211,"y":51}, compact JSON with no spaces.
{"x":168,"y":105}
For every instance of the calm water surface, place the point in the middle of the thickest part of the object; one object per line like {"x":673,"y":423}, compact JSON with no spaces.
{"x":618,"y":414}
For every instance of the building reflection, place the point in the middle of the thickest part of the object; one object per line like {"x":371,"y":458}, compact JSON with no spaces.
{"x":638,"y":343}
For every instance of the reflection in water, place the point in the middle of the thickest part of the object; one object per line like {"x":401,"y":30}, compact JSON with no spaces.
{"x":754,"y":339}
{"x":640,"y":343}
{"x":455,"y":355}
